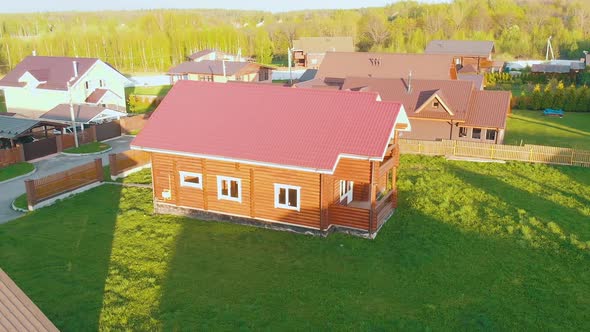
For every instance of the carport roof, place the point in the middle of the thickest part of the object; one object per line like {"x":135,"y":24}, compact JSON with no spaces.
{"x":13,"y":127}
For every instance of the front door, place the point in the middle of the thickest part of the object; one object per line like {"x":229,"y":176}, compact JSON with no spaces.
{"x":346,"y":191}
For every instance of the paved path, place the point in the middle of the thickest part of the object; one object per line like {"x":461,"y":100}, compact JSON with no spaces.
{"x":49,"y":165}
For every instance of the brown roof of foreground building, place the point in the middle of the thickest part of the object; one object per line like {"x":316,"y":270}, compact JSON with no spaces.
{"x":324,"y":44}
{"x":465,"y":101}
{"x":386,"y":65}
{"x":17,"y":311}
{"x":52,"y":71}
{"x":215,"y":67}
{"x":481,"y":48}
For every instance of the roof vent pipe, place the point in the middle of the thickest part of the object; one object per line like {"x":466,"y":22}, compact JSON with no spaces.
{"x":410,"y":82}
{"x":75,"y":64}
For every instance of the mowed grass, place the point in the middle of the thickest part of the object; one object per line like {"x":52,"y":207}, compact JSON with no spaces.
{"x":471,"y":247}
{"x":532,"y":127}
{"x":14,"y":170}
{"x":160,"y":90}
{"x":93,"y":147}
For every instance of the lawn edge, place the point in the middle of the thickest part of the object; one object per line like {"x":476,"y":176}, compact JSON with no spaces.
{"x":86,"y":154}
{"x":20,"y":176}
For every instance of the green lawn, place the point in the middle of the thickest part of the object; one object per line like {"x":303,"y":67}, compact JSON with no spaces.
{"x":21,"y":202}
{"x":89,"y":148}
{"x":531,"y":127}
{"x":472,"y":247}
{"x":14,"y":170}
{"x":160,"y":90}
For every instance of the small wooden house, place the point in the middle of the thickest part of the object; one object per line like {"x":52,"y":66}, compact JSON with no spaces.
{"x":304,"y":160}
{"x":310,"y":51}
{"x":221,"y":71}
{"x":470,"y":53}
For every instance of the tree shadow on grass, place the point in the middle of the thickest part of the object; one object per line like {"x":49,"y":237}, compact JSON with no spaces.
{"x":59,"y":256}
{"x":420,"y":273}
{"x":554,"y":126}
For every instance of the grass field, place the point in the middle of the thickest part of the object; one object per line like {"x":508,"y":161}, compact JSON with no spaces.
{"x":531,"y":127}
{"x":15,"y":170}
{"x":89,"y":148}
{"x":161,"y":90}
{"x":2,"y":102}
{"x":472,"y":247}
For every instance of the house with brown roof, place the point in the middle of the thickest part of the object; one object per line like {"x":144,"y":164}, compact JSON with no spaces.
{"x":310,"y":51}
{"x":475,"y":53}
{"x":211,"y":54}
{"x":339,"y":65}
{"x":443,"y":109}
{"x":220,"y":71}
{"x":39,"y":83}
{"x":311,"y":161}
{"x":18,"y":312}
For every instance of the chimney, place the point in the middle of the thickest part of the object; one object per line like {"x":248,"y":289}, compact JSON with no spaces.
{"x":75,"y":64}
{"x":410,"y":82}
{"x":34,"y":53}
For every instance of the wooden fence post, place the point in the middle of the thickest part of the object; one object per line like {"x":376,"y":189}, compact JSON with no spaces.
{"x":531,"y":155}
{"x":99,"y":172}
{"x":113,"y":164}
{"x":92,"y":131}
{"x":31,"y":195}
{"x":21,"y":152}
{"x":572,"y":160}
{"x":59,"y":142}
{"x":419,"y":148}
{"x":492,"y":152}
{"x":454,"y":148}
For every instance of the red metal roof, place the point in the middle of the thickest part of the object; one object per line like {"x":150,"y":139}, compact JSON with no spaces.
{"x":489,"y":109}
{"x":270,"y":125}
{"x":55,"y":71}
{"x":96,"y":96}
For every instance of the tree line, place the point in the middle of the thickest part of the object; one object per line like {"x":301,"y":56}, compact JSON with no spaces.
{"x":154,"y":40}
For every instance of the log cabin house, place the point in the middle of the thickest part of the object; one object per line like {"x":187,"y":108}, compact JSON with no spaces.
{"x":221,"y":71}
{"x":310,"y":51}
{"x":311,"y":161}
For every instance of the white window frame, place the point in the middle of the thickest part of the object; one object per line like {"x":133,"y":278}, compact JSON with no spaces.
{"x":495,"y":134}
{"x":184,"y":183}
{"x":346,"y":191}
{"x":220,"y":196}
{"x":278,"y":205}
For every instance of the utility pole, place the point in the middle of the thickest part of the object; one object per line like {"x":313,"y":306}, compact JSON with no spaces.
{"x":72,"y":113}
{"x":289,"y":60}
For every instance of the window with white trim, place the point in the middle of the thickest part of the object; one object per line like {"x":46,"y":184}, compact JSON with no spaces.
{"x":491,"y":134}
{"x":346,"y":191}
{"x":287,"y":197}
{"x":229,"y":188}
{"x":190,"y":179}
{"x":476,"y":133}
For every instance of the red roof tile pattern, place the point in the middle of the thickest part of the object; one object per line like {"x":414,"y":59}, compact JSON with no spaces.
{"x":385,"y":65}
{"x":489,"y":109}
{"x":17,"y":311}
{"x":480,"y":48}
{"x":275,"y":126}
{"x":465,"y":100}
{"x":55,"y":71}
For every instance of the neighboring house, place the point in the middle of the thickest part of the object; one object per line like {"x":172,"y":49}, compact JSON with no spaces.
{"x":15,"y":129}
{"x":339,"y":65}
{"x":84,"y":114}
{"x":298,"y":159}
{"x":220,"y":71}
{"x":18,"y":312}
{"x":39,"y":83}
{"x":310,"y":51}
{"x":477,"y":53}
{"x":559,"y":67}
{"x":443,"y":109}
{"x":209,"y":54}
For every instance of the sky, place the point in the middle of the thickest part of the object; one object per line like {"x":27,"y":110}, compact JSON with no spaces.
{"x":8,"y":6}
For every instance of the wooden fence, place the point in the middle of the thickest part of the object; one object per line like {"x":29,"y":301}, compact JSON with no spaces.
{"x":53,"y":185}
{"x":11,"y":156}
{"x":128,"y":160}
{"x":527,"y":153}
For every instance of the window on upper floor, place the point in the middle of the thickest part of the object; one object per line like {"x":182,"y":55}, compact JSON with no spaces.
{"x":102,"y":83}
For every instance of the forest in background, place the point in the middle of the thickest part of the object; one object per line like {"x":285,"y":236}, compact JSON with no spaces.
{"x":153,"y":40}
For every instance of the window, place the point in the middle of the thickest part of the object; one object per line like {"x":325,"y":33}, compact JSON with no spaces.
{"x":476,"y":133}
{"x":346,"y":191}
{"x":205,"y":78}
{"x":435,"y":104}
{"x":491,"y":134}
{"x":229,"y":188}
{"x":102,"y":83}
{"x":87,"y":85}
{"x":239,"y":78}
{"x":189,"y":179}
{"x":462,"y":131}
{"x":287,"y":197}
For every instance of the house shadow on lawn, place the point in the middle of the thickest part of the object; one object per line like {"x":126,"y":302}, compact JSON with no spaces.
{"x":59,"y":256}
{"x":420,"y":273}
